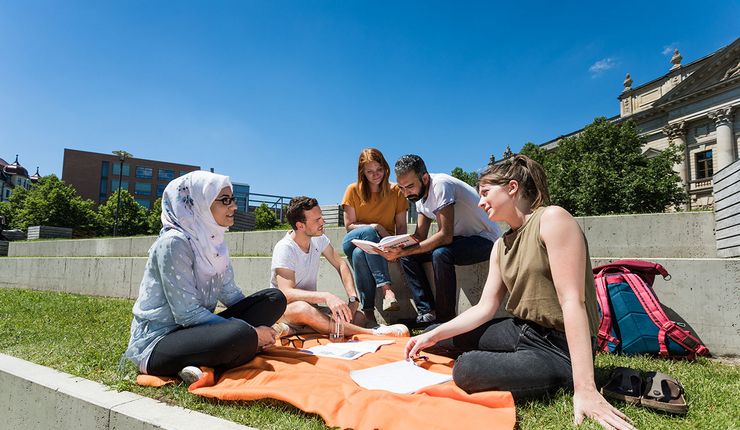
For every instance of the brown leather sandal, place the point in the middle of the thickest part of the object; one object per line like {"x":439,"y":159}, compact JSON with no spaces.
{"x":624,"y":384}
{"x":664,"y":393}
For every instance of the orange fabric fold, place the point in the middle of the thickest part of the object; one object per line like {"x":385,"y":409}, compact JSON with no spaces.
{"x":323,"y":386}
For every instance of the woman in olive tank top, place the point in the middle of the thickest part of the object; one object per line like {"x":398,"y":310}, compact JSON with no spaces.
{"x":543,"y":263}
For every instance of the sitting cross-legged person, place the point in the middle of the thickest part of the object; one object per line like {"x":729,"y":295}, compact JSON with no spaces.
{"x":174,"y":327}
{"x":295,"y":268}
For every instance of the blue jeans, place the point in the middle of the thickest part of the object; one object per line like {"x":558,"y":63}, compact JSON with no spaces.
{"x":510,"y":354}
{"x":463,"y":251}
{"x":371,"y":271}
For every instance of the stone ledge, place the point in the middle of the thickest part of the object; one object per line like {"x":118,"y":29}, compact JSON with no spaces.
{"x":669,"y":235}
{"x":38,"y":397}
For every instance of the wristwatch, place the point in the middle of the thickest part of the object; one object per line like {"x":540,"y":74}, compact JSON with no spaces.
{"x":352,"y":299}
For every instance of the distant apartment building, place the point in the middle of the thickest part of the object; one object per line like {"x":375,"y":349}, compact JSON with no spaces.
{"x":96,"y":176}
{"x":241,"y":192}
{"x":14,"y":175}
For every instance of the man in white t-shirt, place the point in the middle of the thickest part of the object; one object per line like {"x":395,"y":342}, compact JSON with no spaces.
{"x":465,"y":236}
{"x":295,"y":269}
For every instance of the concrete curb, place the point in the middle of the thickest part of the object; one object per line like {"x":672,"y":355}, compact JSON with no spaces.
{"x":37,"y":397}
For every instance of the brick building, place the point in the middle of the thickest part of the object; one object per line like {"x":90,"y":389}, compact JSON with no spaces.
{"x":95,"y":176}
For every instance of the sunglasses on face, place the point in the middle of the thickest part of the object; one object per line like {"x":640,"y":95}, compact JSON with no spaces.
{"x":227,"y":200}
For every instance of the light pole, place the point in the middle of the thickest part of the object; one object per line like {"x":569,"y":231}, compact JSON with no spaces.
{"x":122,"y":156}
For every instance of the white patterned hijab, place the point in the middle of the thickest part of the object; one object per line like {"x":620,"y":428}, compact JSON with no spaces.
{"x":186,"y":207}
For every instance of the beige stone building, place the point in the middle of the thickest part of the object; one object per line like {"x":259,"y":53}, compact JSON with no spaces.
{"x":695,"y":105}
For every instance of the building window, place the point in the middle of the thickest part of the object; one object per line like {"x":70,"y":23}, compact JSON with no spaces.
{"x":165,"y":174}
{"x":117,"y":169}
{"x":182,"y":172}
{"x":143,"y":172}
{"x":104,"y":169}
{"x":103,"y":186}
{"x":146,"y":203}
{"x":143,"y":188}
{"x":114,"y":185}
{"x":704,"y":165}
{"x":160,"y":189}
{"x":241,"y":192}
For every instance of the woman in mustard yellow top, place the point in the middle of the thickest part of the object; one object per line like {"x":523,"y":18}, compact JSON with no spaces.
{"x":543,"y":263}
{"x":373,"y":208}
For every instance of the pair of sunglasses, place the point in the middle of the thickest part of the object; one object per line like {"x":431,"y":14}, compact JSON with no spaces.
{"x":227,"y":200}
{"x":296,"y":341}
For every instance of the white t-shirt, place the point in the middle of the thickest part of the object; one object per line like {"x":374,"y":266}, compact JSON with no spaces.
{"x":470,"y":220}
{"x":288,"y":255}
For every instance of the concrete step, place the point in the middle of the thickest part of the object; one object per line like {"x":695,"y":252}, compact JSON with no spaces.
{"x":37,"y":397}
{"x":670,"y":235}
{"x":704,"y":292}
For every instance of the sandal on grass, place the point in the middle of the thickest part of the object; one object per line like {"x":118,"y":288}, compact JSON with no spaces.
{"x":664,"y":393}
{"x":624,"y":384}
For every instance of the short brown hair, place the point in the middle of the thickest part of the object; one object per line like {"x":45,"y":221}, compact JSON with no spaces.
{"x":528,"y":173}
{"x":296,"y":208}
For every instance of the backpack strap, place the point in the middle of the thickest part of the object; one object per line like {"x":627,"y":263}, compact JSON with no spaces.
{"x":605,"y":325}
{"x":666,"y":327}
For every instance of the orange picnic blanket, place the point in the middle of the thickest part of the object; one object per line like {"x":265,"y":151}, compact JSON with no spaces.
{"x":323,"y":386}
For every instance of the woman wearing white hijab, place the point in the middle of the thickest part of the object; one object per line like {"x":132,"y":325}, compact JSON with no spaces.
{"x":188,"y":272}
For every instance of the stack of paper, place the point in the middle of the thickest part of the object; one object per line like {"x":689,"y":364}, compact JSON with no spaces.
{"x":348,"y":350}
{"x":402,"y":377}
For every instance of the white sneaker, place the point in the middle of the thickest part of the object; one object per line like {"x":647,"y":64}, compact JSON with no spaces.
{"x":190,"y":374}
{"x":395,"y":330}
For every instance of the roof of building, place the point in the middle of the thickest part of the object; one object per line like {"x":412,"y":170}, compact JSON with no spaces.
{"x":35,"y":177}
{"x":703,"y":66}
{"x":15,"y":168}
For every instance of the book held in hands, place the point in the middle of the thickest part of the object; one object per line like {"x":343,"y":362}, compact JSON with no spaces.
{"x":398,"y":241}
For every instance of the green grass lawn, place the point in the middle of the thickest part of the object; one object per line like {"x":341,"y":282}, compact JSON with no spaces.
{"x":85,"y":336}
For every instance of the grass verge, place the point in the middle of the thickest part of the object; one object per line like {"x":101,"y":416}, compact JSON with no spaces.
{"x":85,"y":336}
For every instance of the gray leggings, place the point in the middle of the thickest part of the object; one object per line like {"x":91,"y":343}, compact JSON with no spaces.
{"x":510,"y":354}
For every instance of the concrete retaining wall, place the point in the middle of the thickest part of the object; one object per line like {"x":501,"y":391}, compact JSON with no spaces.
{"x":671,"y":235}
{"x":36,"y":397}
{"x":706,"y":292}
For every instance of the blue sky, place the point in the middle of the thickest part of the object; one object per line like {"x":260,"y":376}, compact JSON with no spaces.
{"x":283,"y":94}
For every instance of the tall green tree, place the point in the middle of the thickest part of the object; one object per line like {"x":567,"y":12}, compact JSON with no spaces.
{"x":154,"y":217}
{"x":132,"y":217}
{"x":6,"y":211}
{"x":602,"y":171}
{"x":471,"y":178}
{"x":51,"y":202}
{"x":265,"y":218}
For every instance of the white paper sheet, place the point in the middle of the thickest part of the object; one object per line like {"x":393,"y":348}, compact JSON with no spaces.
{"x":402,"y":377}
{"x":348,"y":350}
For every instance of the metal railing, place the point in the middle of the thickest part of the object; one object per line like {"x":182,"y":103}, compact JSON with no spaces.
{"x":278,"y":204}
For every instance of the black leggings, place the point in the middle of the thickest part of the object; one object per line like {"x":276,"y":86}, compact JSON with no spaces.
{"x":222,"y":345}
{"x":511,"y":355}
